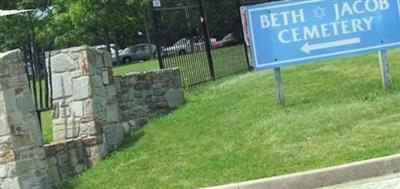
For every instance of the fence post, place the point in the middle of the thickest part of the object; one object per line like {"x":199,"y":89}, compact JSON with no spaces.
{"x":156,"y":27}
{"x":206,"y":38}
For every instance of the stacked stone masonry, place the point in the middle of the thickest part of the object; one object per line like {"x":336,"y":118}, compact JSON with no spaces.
{"x":85,"y":100}
{"x":65,"y":160}
{"x":146,"y":95}
{"x":23,"y":162}
{"x":93,"y":110}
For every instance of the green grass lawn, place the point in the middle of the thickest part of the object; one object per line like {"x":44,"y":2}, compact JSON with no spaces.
{"x":195,"y":67}
{"x":47,"y":129}
{"x":137,"y":67}
{"x":41,"y":103}
{"x":233,"y":130}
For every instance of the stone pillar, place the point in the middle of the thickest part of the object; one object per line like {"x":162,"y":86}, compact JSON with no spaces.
{"x":23,"y":162}
{"x":85,"y":100}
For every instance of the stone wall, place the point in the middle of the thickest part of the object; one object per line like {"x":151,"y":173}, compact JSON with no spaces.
{"x":66,"y":159}
{"x":85,"y":100}
{"x":146,"y":95}
{"x":23,"y":162}
{"x":93,"y":110}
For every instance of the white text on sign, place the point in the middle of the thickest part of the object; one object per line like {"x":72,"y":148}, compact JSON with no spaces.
{"x":336,"y":28}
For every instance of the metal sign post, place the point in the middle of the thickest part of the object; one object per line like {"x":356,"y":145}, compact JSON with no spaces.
{"x":385,"y":71}
{"x":280,"y":92}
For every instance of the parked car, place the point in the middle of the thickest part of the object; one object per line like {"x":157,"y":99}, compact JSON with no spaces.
{"x":185,"y":45}
{"x":182,"y":46}
{"x":137,"y":52}
{"x":104,"y":48}
{"x":227,"y":41}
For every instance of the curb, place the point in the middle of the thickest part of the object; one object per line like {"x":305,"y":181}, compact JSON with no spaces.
{"x":324,"y":177}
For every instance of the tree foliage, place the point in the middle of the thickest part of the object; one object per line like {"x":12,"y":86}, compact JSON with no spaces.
{"x":60,"y":24}
{"x":16,"y":30}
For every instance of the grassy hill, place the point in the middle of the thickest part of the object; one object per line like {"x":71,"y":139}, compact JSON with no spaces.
{"x":232,"y":130}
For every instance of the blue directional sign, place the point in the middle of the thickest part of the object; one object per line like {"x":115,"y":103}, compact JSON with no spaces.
{"x":292,"y":32}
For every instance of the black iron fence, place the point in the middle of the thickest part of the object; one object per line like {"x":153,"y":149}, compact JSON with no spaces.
{"x":204,"y":38}
{"x":39,"y":76}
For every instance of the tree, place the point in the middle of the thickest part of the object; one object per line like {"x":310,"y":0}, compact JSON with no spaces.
{"x":18,"y":29}
{"x":95,"y":22}
{"x":60,"y":24}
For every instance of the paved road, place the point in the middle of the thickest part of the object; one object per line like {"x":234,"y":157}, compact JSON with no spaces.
{"x":385,"y":182}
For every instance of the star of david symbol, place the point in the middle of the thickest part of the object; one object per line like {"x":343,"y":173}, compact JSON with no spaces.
{"x":319,"y":12}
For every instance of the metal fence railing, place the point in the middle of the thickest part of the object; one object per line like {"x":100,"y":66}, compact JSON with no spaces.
{"x":39,"y":77}
{"x":204,"y":38}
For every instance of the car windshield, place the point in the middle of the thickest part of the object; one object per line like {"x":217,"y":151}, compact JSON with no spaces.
{"x":125,"y":51}
{"x":129,"y":50}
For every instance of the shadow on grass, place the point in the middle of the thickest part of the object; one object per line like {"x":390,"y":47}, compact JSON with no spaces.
{"x":131,"y":138}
